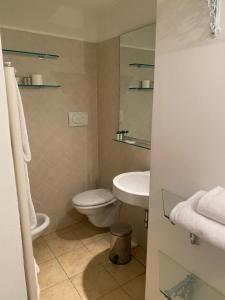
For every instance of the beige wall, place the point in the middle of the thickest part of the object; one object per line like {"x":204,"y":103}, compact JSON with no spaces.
{"x":115,"y":158}
{"x":64,"y":160}
{"x":188,"y":145}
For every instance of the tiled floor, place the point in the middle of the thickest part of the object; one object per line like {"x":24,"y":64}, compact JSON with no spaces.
{"x":75,"y":266}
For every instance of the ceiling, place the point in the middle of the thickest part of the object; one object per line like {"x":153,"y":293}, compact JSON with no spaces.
{"x":142,"y":38}
{"x":90,"y":20}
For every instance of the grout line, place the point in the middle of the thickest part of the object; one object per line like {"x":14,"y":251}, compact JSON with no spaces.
{"x":139,"y":260}
{"x":126,"y":292}
{"x":65,"y":228}
{"x":53,"y":285}
{"x":108,"y":293}
{"x":113,"y":290}
{"x":45,"y":261}
{"x":75,"y":288}
{"x":121,"y":284}
{"x":50,"y":249}
{"x":43,"y":289}
{"x":67,"y":251}
{"x":62,"y":267}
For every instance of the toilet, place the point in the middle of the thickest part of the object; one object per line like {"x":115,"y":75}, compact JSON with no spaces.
{"x":100,"y":206}
{"x":42,"y":223}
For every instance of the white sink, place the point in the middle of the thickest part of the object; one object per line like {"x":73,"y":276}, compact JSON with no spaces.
{"x":133,"y":188}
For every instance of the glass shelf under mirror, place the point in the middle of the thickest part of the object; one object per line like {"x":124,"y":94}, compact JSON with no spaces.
{"x":134,"y":142}
{"x":177,"y":283}
{"x":140,"y":88}
{"x":39,"y":86}
{"x":170,"y":200}
{"x":40,"y":55}
{"x":138,"y":65}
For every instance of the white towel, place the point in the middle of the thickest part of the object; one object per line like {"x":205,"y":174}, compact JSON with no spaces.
{"x":184,"y":214}
{"x":32,"y":214}
{"x":23,"y":127}
{"x":212,"y":205}
{"x":27,"y":157}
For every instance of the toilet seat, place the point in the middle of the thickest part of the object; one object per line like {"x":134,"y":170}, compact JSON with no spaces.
{"x":93,"y":198}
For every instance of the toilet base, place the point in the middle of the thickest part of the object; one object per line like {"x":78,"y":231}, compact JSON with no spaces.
{"x":103,"y":216}
{"x":42,"y":223}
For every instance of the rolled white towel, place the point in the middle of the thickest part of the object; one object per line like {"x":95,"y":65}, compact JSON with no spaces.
{"x":23,"y":126}
{"x":212,"y":205}
{"x":184,"y":214}
{"x":32,"y":214}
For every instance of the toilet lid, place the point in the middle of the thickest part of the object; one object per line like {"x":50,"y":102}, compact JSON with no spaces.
{"x":93,"y":197}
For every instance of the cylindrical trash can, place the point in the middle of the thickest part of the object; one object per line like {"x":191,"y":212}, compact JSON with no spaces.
{"x":120,"y":246}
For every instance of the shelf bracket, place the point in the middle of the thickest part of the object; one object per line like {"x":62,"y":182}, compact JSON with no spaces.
{"x":194,"y":239}
{"x":214,"y":14}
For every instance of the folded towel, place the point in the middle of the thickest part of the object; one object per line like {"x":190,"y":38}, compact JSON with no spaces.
{"x":212,"y":205}
{"x":32,"y":214}
{"x":184,"y":214}
{"x":23,"y":127}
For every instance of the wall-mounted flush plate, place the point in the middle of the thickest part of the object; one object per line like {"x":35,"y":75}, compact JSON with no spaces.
{"x":77,"y":119}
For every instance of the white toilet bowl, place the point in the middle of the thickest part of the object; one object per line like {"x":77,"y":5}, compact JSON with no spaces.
{"x":100,"y":206}
{"x":42,"y":223}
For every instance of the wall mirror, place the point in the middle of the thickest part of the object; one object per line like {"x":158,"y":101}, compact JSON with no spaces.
{"x":137,"y":59}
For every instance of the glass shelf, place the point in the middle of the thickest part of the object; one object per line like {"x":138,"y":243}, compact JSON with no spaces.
{"x":39,"y":86}
{"x":134,"y":142}
{"x":170,"y":200}
{"x":139,"y":88}
{"x":137,"y":65}
{"x":177,"y":283}
{"x":29,"y":53}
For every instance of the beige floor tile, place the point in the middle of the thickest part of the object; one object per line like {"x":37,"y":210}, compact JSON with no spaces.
{"x":124,"y":273}
{"x":60,"y":291}
{"x":140,"y":254}
{"x":98,"y":246}
{"x":118,"y":294}
{"x":64,"y":242}
{"x":66,"y":232}
{"x":50,"y":274}
{"x":102,"y":257}
{"x":41,"y":250}
{"x":88,"y":233}
{"x":77,"y":261}
{"x":94,"y":282}
{"x":50,"y":236}
{"x":136,"y":288}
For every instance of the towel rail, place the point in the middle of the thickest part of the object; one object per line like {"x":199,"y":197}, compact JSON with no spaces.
{"x":170,"y":200}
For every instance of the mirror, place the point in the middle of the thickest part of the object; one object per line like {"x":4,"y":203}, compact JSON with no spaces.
{"x":137,"y":59}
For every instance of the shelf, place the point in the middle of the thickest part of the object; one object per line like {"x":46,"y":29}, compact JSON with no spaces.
{"x":170,"y":200}
{"x":29,"y":53}
{"x":137,"y":65}
{"x":39,"y":86}
{"x":139,"y":88}
{"x":175,"y":282}
{"x":134,"y":142}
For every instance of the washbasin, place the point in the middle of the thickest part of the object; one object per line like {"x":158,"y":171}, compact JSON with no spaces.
{"x":133,"y":188}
